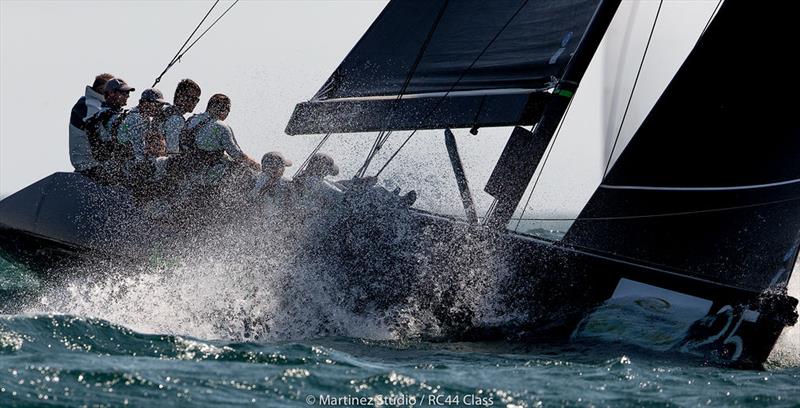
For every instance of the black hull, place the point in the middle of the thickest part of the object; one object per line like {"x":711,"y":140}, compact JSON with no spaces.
{"x":554,"y":286}
{"x":561,"y":285}
{"x":39,"y":254}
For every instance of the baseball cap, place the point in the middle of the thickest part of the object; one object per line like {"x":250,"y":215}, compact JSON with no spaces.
{"x":152,"y":95}
{"x":274,"y":159}
{"x":322,"y":164}
{"x":118,"y":84}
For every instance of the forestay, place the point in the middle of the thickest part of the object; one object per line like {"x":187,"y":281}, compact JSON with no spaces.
{"x":457,"y":63}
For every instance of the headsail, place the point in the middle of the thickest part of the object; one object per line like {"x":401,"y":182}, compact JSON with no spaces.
{"x":710,"y":183}
{"x":459,"y":63}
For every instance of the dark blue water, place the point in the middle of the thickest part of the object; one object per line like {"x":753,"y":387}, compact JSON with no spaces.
{"x":139,"y":351}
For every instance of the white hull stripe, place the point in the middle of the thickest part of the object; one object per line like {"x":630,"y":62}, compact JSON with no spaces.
{"x":729,"y":188}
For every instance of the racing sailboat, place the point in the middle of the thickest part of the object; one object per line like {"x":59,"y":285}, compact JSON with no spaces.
{"x":702,"y":208}
{"x":709,"y":159}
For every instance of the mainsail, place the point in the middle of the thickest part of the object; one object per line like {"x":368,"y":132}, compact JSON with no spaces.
{"x":457,"y":63}
{"x":709,"y":185}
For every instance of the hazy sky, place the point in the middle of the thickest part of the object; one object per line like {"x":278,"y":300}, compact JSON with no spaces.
{"x":269,"y":55}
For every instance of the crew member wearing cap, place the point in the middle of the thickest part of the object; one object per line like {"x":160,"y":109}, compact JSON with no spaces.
{"x":309,"y":186}
{"x":319,"y":166}
{"x":139,"y":143}
{"x":138,"y":134}
{"x":214,"y":142}
{"x":103,"y":126}
{"x":270,"y":184}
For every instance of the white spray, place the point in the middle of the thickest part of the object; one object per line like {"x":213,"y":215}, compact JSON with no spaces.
{"x":257,"y":281}
{"x":787,"y":351}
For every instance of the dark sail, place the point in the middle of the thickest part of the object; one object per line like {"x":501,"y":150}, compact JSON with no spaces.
{"x":709,"y":185}
{"x":493,"y":59}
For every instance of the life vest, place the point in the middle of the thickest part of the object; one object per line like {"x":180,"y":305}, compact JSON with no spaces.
{"x":188,"y":134}
{"x":158,"y":129}
{"x":195,"y":155}
{"x":166,"y":113}
{"x":105,"y":150}
{"x":155,"y":145}
{"x":122,"y":152}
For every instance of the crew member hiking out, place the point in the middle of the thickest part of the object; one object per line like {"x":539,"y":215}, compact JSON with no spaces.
{"x":135,"y":139}
{"x":310,"y":191}
{"x":136,"y":130}
{"x":271,"y":188}
{"x":102,"y":128}
{"x":80,"y":152}
{"x":215,"y":151}
{"x":187,"y":94}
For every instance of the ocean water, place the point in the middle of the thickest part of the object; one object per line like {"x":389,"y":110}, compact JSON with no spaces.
{"x":206,"y":331}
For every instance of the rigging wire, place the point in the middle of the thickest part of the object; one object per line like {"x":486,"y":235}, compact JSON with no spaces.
{"x":175,"y":58}
{"x":633,"y":89}
{"x":489,"y":211}
{"x":209,"y":28}
{"x":711,"y":17}
{"x":382,"y":135}
{"x":377,"y":145}
{"x":372,"y":152}
{"x":183,"y":52}
{"x":363,"y":169}
{"x":453,"y":86}
{"x":544,"y":162}
{"x":395,"y":153}
{"x":313,"y":152}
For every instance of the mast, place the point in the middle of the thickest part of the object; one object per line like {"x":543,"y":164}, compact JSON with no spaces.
{"x":554,"y":111}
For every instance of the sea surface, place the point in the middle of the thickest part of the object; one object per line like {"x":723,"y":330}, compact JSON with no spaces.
{"x":150,"y":341}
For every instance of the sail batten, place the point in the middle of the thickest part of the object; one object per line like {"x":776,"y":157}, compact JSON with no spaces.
{"x":502,"y":49}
